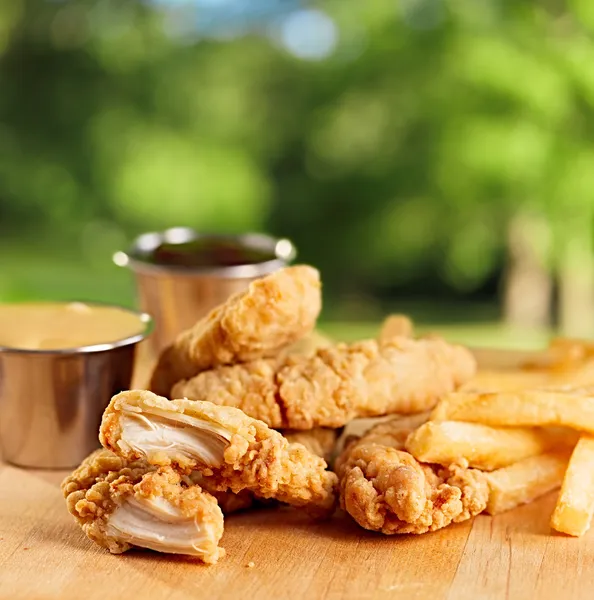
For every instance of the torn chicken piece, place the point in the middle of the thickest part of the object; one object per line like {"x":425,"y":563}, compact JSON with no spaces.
{"x":233,"y":450}
{"x":386,"y":489}
{"x":337,"y":384}
{"x":273,"y":312}
{"x":396,"y":326}
{"x":120,"y":504}
{"x":228,"y":501}
{"x":318,"y":441}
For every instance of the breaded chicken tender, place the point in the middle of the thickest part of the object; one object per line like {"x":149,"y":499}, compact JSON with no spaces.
{"x":308,"y":344}
{"x":386,"y":489}
{"x":337,"y":384}
{"x":319,"y":441}
{"x":396,"y":326}
{"x":273,"y":312}
{"x":233,"y":450}
{"x":120,"y":504}
{"x":228,"y":501}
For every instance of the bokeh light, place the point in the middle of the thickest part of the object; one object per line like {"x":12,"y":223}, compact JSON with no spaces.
{"x":309,"y":34}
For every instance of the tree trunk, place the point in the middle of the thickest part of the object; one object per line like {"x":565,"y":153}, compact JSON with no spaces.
{"x":528,"y":283}
{"x":576,"y":279}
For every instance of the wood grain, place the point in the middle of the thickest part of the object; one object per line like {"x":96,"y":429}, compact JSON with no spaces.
{"x":44,"y":555}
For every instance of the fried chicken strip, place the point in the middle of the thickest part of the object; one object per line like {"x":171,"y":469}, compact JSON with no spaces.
{"x":227,"y":501}
{"x":120,"y":504}
{"x":308,"y":344}
{"x":233,"y":450}
{"x":337,"y":384}
{"x":319,"y":441}
{"x":273,"y":312}
{"x":386,"y":489}
{"x":396,"y":326}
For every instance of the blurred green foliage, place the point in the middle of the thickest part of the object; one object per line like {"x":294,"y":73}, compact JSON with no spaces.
{"x":395,"y":163}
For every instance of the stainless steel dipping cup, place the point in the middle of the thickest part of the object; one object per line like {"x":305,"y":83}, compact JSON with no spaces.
{"x":178,"y":296}
{"x":51,"y":401}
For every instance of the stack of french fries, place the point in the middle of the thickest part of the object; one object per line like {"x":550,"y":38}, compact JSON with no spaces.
{"x":530,"y":440}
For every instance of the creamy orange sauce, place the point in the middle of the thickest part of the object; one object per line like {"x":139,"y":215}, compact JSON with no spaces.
{"x":55,"y":326}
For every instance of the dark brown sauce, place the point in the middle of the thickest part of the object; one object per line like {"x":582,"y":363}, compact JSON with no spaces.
{"x":207,"y":253}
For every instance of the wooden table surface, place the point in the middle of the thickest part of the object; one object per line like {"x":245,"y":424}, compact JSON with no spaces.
{"x":43,"y":554}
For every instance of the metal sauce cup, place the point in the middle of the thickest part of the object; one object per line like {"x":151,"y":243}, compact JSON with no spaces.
{"x":51,"y":401}
{"x":178,"y":296}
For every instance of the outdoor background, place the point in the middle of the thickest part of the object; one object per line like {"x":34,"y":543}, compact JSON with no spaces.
{"x":431,"y":156}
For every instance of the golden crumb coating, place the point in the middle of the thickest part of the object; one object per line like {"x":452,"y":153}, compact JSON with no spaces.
{"x":337,"y":383}
{"x":396,"y":326}
{"x":233,"y":450}
{"x":105,"y":466}
{"x":273,"y":312}
{"x":319,"y":441}
{"x":151,"y":498}
{"x":308,"y":344}
{"x":392,"y":432}
{"x":228,"y":501}
{"x":386,"y":489}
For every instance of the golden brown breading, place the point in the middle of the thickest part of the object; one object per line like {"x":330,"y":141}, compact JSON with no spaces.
{"x":391,"y":431}
{"x":228,"y":501}
{"x":308,"y":344}
{"x":273,"y":312}
{"x":396,"y":326}
{"x":319,"y":441}
{"x":386,"y":489}
{"x":338,"y":383}
{"x":233,"y":450}
{"x":120,"y":504}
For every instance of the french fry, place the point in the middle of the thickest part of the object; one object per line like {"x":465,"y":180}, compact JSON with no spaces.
{"x":396,"y":326}
{"x":506,"y":380}
{"x":565,"y":362}
{"x":567,"y":406}
{"x":575,"y":506}
{"x":484,"y":447}
{"x":565,"y":352}
{"x":525,"y":481}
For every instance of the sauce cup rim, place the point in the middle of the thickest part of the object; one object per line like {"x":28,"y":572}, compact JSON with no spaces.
{"x":146,"y":242}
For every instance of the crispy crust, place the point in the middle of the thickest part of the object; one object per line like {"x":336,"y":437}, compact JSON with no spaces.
{"x":228,"y":501}
{"x":385,"y":489}
{"x":257,"y":458}
{"x":338,"y":383}
{"x":318,"y":441}
{"x":396,"y":326}
{"x":273,"y":312}
{"x":103,"y":481}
